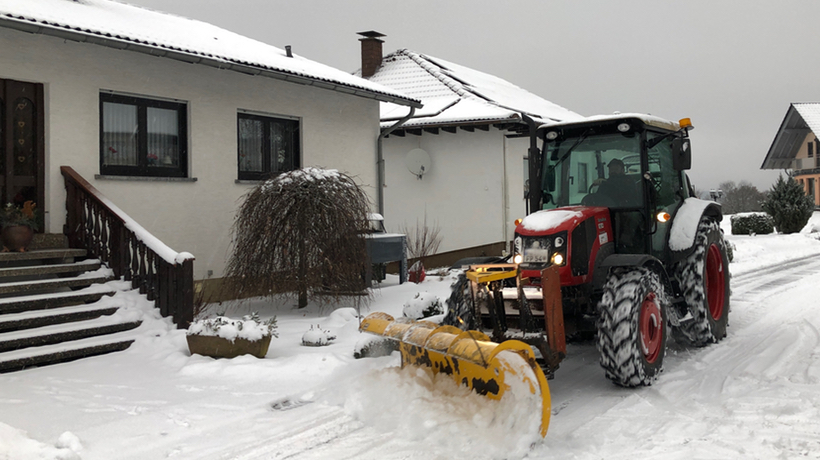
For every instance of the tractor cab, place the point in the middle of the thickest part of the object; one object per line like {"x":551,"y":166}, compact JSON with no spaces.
{"x":632,"y":165}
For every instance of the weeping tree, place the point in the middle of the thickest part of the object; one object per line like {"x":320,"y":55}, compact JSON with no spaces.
{"x":300,"y":233}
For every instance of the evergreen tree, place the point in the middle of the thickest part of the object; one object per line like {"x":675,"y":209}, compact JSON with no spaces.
{"x":788,"y":205}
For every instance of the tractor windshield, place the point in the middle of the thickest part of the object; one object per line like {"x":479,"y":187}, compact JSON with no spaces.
{"x":593,"y":170}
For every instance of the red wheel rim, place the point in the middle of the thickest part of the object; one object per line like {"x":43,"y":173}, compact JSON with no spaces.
{"x":715,"y":282}
{"x":651,"y":325}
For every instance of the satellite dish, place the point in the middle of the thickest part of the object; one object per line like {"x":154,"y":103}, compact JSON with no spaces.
{"x":418,"y":162}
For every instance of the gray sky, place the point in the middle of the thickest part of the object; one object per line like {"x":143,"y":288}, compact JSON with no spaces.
{"x":733,"y":67}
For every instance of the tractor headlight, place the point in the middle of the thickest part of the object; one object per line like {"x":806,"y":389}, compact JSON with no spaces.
{"x":518,"y":258}
{"x":558,"y":259}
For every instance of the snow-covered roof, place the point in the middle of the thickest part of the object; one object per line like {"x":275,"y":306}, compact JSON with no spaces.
{"x":645,"y":118}
{"x":453,"y":94}
{"x":122,"y":26}
{"x":800,"y":120}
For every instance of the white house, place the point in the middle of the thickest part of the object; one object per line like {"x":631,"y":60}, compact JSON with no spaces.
{"x":172,"y":119}
{"x":470,"y":137}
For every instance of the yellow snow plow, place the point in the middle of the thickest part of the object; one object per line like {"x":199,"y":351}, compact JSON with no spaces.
{"x":468,"y":357}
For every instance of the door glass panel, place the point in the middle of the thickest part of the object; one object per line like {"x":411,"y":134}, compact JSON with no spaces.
{"x":163,"y":137}
{"x":23,"y":142}
{"x":119,"y":134}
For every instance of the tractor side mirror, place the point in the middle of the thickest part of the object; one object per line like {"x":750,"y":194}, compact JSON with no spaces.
{"x":681,"y":154}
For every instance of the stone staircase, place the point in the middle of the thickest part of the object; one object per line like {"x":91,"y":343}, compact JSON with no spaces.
{"x":55,"y":307}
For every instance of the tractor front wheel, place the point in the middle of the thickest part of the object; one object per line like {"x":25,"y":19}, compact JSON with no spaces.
{"x":703,"y":278}
{"x":632,"y":328}
{"x":461,"y":310}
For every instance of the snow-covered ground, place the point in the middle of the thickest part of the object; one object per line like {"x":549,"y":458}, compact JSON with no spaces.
{"x":754,"y":395}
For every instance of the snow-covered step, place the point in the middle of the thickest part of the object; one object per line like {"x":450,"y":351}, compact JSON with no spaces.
{"x":67,"y":351}
{"x":39,"y":318}
{"x":54,"y":300}
{"x":54,"y":269}
{"x":48,"y":335}
{"x":42,"y":254}
{"x":20,"y":287}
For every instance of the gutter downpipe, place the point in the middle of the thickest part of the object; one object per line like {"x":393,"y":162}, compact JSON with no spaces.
{"x":380,"y":158}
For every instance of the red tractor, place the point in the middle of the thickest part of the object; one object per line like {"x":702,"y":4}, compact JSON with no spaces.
{"x":616,"y":247}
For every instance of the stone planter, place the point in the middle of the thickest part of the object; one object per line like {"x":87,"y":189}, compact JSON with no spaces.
{"x":17,"y":238}
{"x":218,"y":347}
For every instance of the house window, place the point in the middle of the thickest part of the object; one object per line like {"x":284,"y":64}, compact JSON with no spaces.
{"x":266,"y":146}
{"x":810,"y":191}
{"x":142,"y":137}
{"x":810,"y":147}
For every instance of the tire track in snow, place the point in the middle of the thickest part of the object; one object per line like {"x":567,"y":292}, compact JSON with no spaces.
{"x":704,"y":393}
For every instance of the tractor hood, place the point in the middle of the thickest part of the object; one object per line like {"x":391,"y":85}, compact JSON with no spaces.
{"x":550,"y":221}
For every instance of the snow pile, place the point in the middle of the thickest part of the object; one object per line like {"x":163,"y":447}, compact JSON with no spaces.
{"x":249,"y":327}
{"x":423,"y":305}
{"x":317,"y":337}
{"x":440,"y":417}
{"x":24,"y":448}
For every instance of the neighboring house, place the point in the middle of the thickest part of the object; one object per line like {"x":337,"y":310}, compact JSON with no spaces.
{"x":796,"y":147}
{"x":174,"y":120}
{"x":461,"y":159}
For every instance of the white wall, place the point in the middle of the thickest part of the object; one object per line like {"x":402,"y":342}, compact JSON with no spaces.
{"x":338,"y":131}
{"x":464,"y":191}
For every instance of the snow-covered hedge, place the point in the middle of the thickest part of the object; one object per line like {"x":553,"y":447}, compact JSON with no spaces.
{"x":423,"y":305}
{"x":317,"y":337}
{"x":752,"y":223}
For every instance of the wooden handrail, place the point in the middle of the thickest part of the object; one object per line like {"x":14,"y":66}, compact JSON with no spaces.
{"x":97,"y":225}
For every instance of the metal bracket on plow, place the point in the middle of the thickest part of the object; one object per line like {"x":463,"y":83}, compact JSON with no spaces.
{"x":468,"y":357}
{"x":551,"y":341}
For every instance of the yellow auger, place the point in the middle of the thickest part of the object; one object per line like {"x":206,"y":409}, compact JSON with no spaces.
{"x":468,"y":357}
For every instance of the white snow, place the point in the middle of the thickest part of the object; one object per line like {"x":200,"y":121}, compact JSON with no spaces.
{"x":542,"y":221}
{"x":685,"y":225}
{"x":754,"y":395}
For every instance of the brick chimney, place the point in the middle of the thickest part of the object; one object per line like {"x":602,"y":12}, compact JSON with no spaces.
{"x":371,"y":52}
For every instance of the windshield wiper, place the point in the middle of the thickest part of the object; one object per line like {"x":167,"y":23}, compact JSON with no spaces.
{"x":580,"y":139}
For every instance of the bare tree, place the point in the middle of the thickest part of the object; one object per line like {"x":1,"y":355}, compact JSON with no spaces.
{"x":743,"y":197}
{"x":300,"y":232}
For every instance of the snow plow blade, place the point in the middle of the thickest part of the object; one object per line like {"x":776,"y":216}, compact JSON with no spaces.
{"x":468,"y":357}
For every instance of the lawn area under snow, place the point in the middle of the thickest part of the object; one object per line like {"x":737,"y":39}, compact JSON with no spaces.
{"x":754,"y":395}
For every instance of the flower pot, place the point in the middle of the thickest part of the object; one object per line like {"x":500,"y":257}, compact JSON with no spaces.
{"x":16,"y":238}
{"x":218,"y":347}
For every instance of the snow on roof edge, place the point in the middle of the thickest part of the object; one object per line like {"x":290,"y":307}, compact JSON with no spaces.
{"x":124,"y":42}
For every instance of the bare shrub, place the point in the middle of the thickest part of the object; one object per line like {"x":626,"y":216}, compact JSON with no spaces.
{"x":422,"y":240}
{"x":300,"y":233}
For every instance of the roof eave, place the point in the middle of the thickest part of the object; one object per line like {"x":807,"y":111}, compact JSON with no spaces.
{"x":194,"y":58}
{"x":785,"y":141}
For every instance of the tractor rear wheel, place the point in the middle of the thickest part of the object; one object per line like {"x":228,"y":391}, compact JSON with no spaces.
{"x":703,"y":278}
{"x":632,"y":328}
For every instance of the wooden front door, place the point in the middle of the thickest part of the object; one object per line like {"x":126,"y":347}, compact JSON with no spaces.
{"x":22,"y":143}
